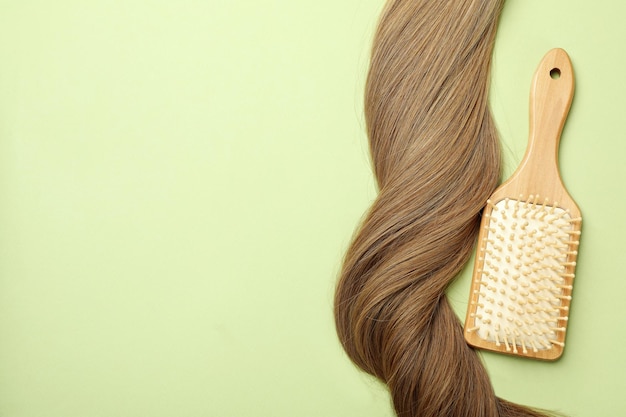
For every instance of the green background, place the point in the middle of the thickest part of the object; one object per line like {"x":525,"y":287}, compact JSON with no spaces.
{"x":179,"y":181}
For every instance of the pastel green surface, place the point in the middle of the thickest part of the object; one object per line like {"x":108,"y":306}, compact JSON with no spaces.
{"x":179,"y":181}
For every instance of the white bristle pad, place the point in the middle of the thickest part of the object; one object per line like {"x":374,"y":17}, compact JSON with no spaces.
{"x":525,"y":279}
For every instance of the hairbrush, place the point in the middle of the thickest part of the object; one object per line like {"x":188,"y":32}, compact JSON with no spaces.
{"x":528,"y":242}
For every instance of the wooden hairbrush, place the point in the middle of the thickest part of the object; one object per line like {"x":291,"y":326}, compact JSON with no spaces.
{"x":528,"y":242}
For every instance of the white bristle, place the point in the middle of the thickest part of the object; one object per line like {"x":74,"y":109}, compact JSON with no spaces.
{"x":527,"y":262}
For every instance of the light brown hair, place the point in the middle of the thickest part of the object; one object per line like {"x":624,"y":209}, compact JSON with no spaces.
{"x":436,"y":159}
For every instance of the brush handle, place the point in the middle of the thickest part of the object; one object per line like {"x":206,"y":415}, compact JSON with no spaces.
{"x":550,"y":99}
{"x":551,"y":95}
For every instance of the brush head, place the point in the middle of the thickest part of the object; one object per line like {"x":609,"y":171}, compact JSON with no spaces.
{"x":523,"y":277}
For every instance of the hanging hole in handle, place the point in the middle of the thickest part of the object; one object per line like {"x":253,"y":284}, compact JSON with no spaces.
{"x":555,"y":73}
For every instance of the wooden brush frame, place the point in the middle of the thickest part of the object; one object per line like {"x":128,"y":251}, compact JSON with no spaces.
{"x":538,"y":175}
